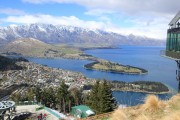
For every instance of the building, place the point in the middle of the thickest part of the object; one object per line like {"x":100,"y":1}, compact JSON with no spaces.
{"x":173,"y":44}
{"x":7,"y":108}
{"x":173,"y":38}
{"x":28,"y":110}
{"x":81,"y":111}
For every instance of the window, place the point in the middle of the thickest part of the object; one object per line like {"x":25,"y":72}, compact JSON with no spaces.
{"x":178,"y":41}
{"x":168,"y":41}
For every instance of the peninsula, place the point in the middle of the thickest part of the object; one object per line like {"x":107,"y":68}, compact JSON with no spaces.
{"x":18,"y":74}
{"x":104,"y":65}
{"x":31,"y":47}
{"x":140,"y":86}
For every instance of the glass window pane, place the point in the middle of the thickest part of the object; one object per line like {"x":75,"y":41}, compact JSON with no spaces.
{"x":178,"y":42}
{"x":168,"y":41}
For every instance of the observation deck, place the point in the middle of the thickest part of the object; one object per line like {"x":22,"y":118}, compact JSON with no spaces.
{"x":173,"y":44}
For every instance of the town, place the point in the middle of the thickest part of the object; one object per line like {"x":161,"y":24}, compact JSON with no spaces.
{"x":40,"y":75}
{"x":28,"y":83}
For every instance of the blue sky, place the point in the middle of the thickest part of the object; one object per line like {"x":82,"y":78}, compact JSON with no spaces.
{"x":139,"y":17}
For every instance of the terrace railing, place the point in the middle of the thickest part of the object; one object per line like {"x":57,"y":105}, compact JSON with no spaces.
{"x":26,"y":103}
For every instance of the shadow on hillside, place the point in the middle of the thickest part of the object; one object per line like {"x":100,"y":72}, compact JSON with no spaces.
{"x":10,"y":63}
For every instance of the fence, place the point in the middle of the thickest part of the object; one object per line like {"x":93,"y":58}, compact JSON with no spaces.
{"x":52,"y":112}
{"x":26,"y":103}
{"x":22,"y":103}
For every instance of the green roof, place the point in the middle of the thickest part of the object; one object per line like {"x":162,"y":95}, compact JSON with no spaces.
{"x":85,"y":111}
{"x":83,"y":108}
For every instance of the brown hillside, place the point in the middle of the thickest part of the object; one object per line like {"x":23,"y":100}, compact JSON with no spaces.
{"x":153,"y":109}
{"x":35,"y":48}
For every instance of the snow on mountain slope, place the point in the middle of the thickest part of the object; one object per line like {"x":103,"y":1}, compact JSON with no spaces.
{"x":49,"y":33}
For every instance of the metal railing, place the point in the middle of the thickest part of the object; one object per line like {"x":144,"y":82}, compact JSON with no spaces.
{"x":174,"y":29}
{"x":52,"y":112}
{"x":26,"y":103}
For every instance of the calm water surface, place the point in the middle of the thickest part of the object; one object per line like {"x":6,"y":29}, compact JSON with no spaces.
{"x":159,"y":69}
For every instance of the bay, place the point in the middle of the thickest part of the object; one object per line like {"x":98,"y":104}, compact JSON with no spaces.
{"x":160,"y":69}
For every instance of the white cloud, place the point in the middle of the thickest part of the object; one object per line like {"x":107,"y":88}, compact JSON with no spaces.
{"x":99,"y":12}
{"x":129,"y":6}
{"x":147,"y":18}
{"x":146,"y":26}
{"x":152,"y":30}
{"x":60,"y":20}
{"x":11,"y":11}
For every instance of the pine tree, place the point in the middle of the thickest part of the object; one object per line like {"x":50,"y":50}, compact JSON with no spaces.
{"x":101,"y":99}
{"x":62,"y":95}
{"x":93,"y":100}
{"x":46,"y":97}
{"x":38,"y":93}
{"x":30,"y":94}
{"x":107,"y":101}
{"x":76,"y":95}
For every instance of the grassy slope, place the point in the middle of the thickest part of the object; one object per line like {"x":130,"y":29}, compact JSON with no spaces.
{"x":68,"y":49}
{"x":114,"y":67}
{"x":35,"y":48}
{"x":153,"y":109}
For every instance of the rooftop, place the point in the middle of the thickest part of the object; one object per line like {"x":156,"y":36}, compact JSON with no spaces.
{"x":85,"y":109}
{"x":5,"y":105}
{"x":175,"y":20}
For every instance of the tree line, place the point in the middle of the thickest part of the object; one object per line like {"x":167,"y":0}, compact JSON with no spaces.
{"x":100,"y":98}
{"x":148,"y":86}
{"x":10,"y":63}
{"x":57,"y":98}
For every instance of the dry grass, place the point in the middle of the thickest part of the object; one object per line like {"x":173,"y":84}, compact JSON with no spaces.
{"x":152,"y":109}
{"x":119,"y":115}
{"x":153,"y":104}
{"x":173,"y":116}
{"x":174,"y":102}
{"x":142,"y":117}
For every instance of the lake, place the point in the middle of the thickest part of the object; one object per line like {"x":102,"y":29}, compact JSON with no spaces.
{"x":159,"y":68}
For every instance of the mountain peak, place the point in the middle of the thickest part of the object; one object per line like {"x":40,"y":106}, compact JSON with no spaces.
{"x":26,"y":46}
{"x":49,"y":33}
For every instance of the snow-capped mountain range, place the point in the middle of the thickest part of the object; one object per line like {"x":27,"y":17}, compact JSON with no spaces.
{"x":49,"y":33}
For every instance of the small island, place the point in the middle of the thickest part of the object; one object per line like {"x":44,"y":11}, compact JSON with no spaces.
{"x":108,"y":66}
{"x":140,"y":86}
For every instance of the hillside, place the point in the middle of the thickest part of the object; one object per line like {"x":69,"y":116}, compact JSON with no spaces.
{"x":140,"y":86}
{"x":34,"y":48}
{"x":153,"y":109}
{"x":71,"y":35}
{"x":9,"y":64}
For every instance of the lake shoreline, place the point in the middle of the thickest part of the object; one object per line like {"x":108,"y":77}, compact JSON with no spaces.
{"x":146,"y":92}
{"x":84,"y":56}
{"x":122,"y":70}
{"x":150,"y":87}
{"x":159,"y":68}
